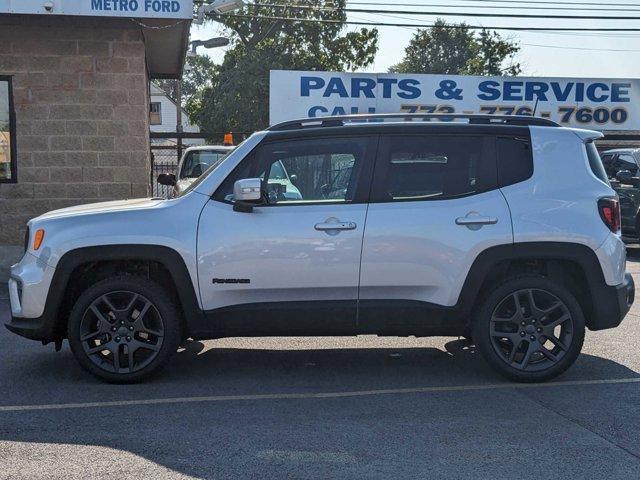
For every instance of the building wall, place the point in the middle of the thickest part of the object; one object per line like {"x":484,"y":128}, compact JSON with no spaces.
{"x":81,"y":98}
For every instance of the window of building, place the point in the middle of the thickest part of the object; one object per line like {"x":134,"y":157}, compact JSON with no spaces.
{"x":155,"y":113}
{"x":7,"y":132}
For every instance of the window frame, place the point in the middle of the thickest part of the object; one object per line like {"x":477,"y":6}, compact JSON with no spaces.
{"x":378,"y":193}
{"x":158,"y":113}
{"x":13,"y":150}
{"x":363,"y":185}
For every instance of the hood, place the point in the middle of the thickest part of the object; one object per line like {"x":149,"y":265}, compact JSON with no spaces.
{"x":102,"y":207}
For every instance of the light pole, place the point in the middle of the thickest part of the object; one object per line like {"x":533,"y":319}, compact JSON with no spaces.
{"x":219,"y":7}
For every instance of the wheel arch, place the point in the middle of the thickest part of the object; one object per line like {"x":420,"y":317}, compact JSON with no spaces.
{"x":91,"y":264}
{"x":572,"y":264}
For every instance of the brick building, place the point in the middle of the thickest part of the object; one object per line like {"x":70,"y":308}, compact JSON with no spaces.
{"x":74,"y":109}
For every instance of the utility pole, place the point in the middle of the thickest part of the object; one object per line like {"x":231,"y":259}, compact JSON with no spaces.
{"x":179,"y":128}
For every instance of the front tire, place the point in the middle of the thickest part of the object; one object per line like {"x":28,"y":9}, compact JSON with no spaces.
{"x":123,"y":329}
{"x":529,"y":328}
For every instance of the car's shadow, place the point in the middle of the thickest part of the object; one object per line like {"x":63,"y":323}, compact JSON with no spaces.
{"x":248,"y":438}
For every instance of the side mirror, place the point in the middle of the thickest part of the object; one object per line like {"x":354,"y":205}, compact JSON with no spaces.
{"x":625,"y":177}
{"x":245,"y":191}
{"x":168,"y":179}
{"x":293,"y":178}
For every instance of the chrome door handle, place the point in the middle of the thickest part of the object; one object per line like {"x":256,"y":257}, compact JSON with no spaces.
{"x":476,"y":221}
{"x":323,"y":227}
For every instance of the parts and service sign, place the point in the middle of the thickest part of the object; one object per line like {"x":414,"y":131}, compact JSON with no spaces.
{"x":599,"y":104}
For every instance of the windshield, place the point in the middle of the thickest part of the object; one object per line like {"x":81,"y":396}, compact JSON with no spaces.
{"x":198,"y":161}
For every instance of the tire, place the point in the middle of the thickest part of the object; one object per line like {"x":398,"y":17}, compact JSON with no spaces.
{"x":133,"y":318}
{"x":549,"y":335}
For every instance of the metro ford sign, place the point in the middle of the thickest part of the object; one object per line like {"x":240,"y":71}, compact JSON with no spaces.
{"x":102,"y":8}
{"x":599,"y":104}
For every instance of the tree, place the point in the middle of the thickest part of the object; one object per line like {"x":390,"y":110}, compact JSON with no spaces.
{"x":195,"y":79}
{"x":445,"y":50}
{"x":238,"y":98}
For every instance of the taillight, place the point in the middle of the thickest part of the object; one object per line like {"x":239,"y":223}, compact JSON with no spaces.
{"x":609,"y":209}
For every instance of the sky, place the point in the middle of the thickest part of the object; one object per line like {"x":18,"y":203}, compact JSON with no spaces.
{"x":566,"y":54}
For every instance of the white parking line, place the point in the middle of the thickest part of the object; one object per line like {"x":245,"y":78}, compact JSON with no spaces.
{"x":292,"y":396}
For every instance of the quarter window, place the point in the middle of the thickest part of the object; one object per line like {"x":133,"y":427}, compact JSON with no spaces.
{"x":7,"y":132}
{"x":432,"y":167}
{"x":515,"y":160}
{"x":322,"y":170}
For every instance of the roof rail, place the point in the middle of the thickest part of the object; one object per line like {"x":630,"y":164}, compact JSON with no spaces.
{"x":475,"y":119}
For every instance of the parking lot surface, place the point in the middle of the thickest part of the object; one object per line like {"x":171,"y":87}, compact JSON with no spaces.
{"x":361,"y":407}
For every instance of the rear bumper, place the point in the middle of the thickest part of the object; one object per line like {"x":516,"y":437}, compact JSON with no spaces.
{"x":611,"y":304}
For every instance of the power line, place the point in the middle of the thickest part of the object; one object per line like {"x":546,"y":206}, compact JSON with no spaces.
{"x":538,"y":2}
{"x":580,"y":48}
{"x":426,"y":25}
{"x":458,"y":14}
{"x":504,"y":7}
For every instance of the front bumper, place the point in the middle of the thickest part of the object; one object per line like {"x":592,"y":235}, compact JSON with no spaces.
{"x":29,"y":285}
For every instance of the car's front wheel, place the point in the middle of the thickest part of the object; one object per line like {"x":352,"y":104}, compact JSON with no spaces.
{"x":123,"y":329}
{"x":529,"y":328}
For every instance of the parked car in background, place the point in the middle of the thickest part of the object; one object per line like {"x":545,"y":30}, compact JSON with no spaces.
{"x":622,"y":167}
{"x":194,"y":162}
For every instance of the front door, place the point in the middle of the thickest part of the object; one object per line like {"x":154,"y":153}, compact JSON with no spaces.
{"x":291,"y":266}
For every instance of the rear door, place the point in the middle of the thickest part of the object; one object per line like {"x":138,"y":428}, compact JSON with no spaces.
{"x":434,"y":207}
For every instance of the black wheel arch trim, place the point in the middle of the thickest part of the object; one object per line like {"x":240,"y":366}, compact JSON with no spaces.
{"x":607,"y":304}
{"x":44,"y":328}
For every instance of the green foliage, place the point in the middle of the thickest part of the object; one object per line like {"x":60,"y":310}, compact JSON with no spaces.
{"x":443,"y":50}
{"x":194,"y":80}
{"x":238,"y":97}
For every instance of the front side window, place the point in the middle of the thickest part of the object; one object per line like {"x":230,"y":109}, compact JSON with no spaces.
{"x":7,"y":132}
{"x":303,"y":171}
{"x":432,"y":167}
{"x":198,"y":161}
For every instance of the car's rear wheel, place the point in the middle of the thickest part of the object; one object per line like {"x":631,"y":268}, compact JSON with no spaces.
{"x":123,"y":329}
{"x":529,"y":328}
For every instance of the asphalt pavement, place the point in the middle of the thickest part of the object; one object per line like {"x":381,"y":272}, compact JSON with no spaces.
{"x":362,"y":407}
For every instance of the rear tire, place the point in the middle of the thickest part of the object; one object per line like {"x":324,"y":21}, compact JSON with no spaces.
{"x":529,"y":328}
{"x":134,"y":322}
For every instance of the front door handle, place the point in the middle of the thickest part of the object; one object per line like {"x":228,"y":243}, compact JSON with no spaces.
{"x":327,"y":226}
{"x":476,"y":221}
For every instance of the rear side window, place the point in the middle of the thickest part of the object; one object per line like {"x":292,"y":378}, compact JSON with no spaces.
{"x":595,"y":163}
{"x":515,"y":160}
{"x":432,"y":167}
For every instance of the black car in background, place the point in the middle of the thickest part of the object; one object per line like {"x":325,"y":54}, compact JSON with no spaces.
{"x":622,"y":166}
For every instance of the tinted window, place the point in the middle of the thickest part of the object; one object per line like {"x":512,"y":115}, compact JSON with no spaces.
{"x":595,"y":163}
{"x":627,"y":162}
{"x":515,"y":161}
{"x":432,"y":167}
{"x":301,"y":171}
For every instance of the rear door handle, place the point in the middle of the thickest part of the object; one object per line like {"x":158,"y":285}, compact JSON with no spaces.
{"x":323,"y":227}
{"x":466,"y":221}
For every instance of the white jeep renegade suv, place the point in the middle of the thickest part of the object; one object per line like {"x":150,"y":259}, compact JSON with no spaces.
{"x":502,"y":229}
